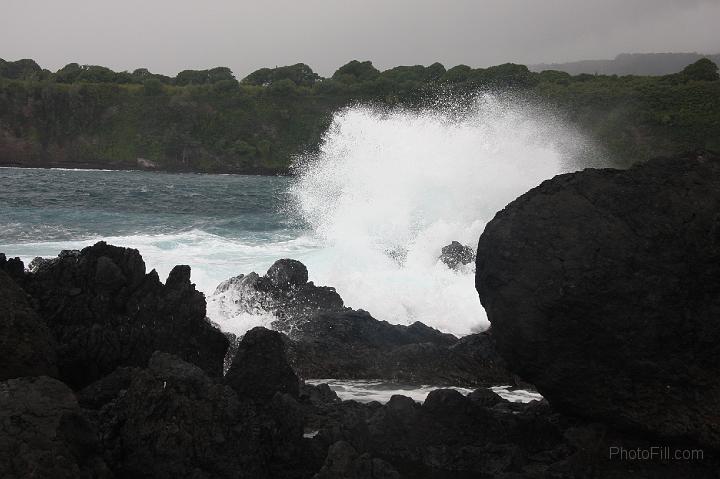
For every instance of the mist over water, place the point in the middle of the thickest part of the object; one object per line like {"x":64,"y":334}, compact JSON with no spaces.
{"x":368,"y":214}
{"x":389,"y":189}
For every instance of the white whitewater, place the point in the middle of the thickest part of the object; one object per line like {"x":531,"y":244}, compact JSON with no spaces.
{"x":381,"y":391}
{"x":385,"y":192}
{"x":389,"y":184}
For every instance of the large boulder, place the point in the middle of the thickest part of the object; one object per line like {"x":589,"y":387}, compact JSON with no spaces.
{"x":26,"y":345}
{"x":105,"y":311}
{"x":44,"y":433}
{"x":260,"y":368}
{"x":602,"y":290}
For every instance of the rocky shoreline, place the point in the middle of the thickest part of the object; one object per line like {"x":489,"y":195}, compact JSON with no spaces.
{"x":601,"y":288}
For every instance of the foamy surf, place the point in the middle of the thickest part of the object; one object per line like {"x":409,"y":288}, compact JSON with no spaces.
{"x":381,"y":391}
{"x":411,"y":182}
{"x":212,"y":258}
{"x":368,"y":214}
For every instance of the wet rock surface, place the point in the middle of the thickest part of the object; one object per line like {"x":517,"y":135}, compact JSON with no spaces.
{"x":354,"y":345}
{"x":456,"y":254}
{"x":327,"y":340}
{"x":283,"y":291}
{"x":602,"y":290}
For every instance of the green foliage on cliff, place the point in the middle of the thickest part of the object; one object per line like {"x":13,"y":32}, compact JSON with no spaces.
{"x":205,"y":120}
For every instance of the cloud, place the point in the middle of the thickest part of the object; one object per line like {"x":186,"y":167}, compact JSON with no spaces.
{"x":171,"y":35}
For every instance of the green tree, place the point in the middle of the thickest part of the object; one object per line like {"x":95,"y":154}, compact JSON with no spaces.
{"x":300,"y":74}
{"x":356,"y":71}
{"x":703,"y":69}
{"x":25,"y":69}
{"x":152,"y":87}
{"x":69,"y":73}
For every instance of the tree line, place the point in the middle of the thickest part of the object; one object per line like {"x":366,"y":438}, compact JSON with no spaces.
{"x":207,"y":120}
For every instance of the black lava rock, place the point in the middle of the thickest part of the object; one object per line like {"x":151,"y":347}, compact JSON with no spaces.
{"x":343,"y":461}
{"x":45,"y":434}
{"x":286,"y":273}
{"x":173,"y":420}
{"x":602,"y":290}
{"x":104,"y":311}
{"x":284,"y":291}
{"x":26,"y":346}
{"x":456,"y":254}
{"x":260,"y":368}
{"x":354,"y":345}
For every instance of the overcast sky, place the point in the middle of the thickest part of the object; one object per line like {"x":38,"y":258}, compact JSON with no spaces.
{"x":167,"y":36}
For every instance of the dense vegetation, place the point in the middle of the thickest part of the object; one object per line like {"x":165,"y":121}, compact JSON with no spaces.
{"x":206,"y":120}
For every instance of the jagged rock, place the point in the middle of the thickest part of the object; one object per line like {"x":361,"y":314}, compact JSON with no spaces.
{"x":44,"y":433}
{"x":451,"y":435}
{"x":286,"y":273}
{"x":105,"y":311}
{"x":320,"y":394}
{"x":328,"y":340}
{"x":260,"y":368}
{"x":284,"y":291}
{"x":485,"y":397}
{"x":456,"y":254}
{"x":175,"y":421}
{"x":602,"y":290}
{"x":13,"y":267}
{"x":107,"y":388}
{"x":26,"y":345}
{"x":354,"y":345}
{"x":344,"y":462}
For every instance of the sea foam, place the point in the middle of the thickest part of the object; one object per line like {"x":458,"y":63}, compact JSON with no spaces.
{"x":389,"y":188}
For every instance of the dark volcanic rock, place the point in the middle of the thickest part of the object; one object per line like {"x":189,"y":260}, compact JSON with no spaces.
{"x":107,"y":388}
{"x":26,"y":346}
{"x":175,"y":421}
{"x":602,"y":290}
{"x":343,"y":462}
{"x":105,"y":311}
{"x":456,"y":254}
{"x":286,"y":273}
{"x":328,"y":340}
{"x":13,"y":267}
{"x":260,"y":368}
{"x":44,"y":433}
{"x":354,"y":345}
{"x":284,"y":291}
{"x":452,"y":436}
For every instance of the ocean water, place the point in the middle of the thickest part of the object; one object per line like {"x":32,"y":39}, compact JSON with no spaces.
{"x":368,"y":214}
{"x":381,"y":391}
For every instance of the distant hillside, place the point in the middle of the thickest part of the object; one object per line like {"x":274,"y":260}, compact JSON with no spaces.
{"x":629,"y":64}
{"x":89,"y":116}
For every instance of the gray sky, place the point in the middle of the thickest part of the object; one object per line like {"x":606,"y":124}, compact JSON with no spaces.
{"x":167,"y":36}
